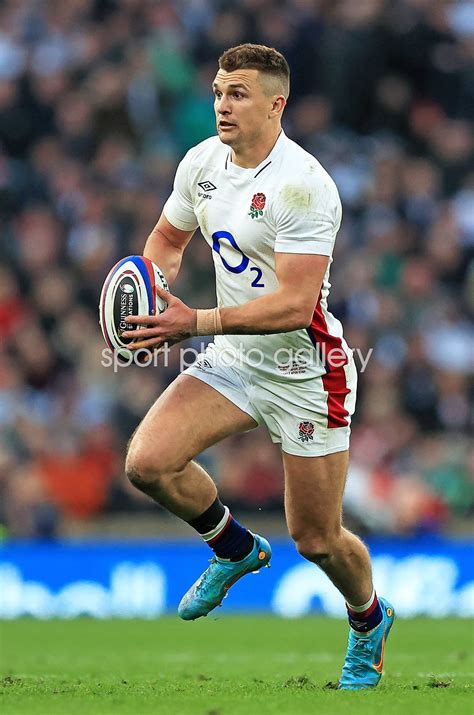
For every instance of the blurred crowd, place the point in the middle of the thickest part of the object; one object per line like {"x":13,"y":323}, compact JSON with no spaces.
{"x":99,"y":99}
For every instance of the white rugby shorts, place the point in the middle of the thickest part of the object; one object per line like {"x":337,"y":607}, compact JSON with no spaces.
{"x":309,"y":418}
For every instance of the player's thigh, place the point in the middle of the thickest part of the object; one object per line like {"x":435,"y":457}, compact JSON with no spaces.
{"x":187,"y":418}
{"x":314,"y":487}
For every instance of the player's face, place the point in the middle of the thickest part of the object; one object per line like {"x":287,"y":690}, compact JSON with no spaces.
{"x":242,"y":108}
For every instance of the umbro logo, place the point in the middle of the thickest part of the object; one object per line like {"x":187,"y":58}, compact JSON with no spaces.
{"x":207,"y":185}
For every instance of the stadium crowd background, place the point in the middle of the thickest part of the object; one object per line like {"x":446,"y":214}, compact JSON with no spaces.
{"x":99,"y":100}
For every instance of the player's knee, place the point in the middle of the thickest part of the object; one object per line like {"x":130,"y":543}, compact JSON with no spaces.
{"x":317,"y":548}
{"x":151,"y":468}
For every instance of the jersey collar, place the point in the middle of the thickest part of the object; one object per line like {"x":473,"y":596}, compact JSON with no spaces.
{"x":255,"y":171}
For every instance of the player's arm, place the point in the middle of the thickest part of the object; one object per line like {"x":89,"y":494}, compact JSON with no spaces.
{"x":165,"y":247}
{"x":300,"y":275}
{"x":291,"y":307}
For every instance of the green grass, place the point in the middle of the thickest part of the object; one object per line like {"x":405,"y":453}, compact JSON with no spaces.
{"x":253,"y":665}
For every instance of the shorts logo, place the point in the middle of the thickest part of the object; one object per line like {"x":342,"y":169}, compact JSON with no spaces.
{"x":257,"y":205}
{"x":203,"y":364}
{"x":306,"y":430}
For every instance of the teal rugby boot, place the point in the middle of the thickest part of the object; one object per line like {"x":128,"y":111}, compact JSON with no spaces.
{"x":363,"y":666}
{"x":211,"y":587}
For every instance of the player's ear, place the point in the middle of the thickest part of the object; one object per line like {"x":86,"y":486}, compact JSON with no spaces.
{"x":278,"y":105}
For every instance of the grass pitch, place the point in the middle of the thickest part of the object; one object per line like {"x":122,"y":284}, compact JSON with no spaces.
{"x":255,"y":665}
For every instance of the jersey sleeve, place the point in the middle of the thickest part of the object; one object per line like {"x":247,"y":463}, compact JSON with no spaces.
{"x":179,"y":209}
{"x":307,"y":219}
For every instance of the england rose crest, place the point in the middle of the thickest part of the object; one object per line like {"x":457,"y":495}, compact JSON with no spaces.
{"x":257,"y":205}
{"x":306,"y":430}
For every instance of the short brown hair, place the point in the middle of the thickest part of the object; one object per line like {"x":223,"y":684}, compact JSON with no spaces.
{"x":257,"y":57}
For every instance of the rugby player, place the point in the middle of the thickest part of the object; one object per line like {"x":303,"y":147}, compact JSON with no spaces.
{"x":270,"y":214}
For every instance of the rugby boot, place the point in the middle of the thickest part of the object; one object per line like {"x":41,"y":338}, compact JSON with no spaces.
{"x":363,"y":666}
{"x":212,"y":586}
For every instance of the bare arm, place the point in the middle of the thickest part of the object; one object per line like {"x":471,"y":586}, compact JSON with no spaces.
{"x":165,"y":247}
{"x":289,"y":308}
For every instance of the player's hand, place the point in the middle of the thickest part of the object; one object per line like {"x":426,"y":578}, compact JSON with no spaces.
{"x":176,"y":323}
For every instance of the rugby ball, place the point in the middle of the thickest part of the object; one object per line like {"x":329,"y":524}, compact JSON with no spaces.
{"x":129,"y":289}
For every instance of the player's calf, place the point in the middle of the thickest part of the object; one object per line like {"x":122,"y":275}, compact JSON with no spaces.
{"x":186,"y":490}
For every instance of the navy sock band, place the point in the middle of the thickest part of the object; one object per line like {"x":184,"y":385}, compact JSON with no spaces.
{"x":225,"y":536}
{"x":365,"y":620}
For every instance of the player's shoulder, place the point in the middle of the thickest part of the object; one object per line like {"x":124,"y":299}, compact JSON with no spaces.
{"x":302,"y":167}
{"x":208,"y":151}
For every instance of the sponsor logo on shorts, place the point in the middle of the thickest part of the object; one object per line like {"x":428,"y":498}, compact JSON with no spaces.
{"x":202,"y":364}
{"x":293,"y":367}
{"x":306,"y":431}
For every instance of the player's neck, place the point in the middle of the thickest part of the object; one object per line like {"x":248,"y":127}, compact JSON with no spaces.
{"x":250,"y":156}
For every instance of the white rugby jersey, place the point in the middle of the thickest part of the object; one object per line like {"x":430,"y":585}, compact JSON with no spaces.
{"x":286,"y":204}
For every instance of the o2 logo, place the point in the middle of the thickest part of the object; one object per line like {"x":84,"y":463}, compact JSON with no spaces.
{"x":217,"y":237}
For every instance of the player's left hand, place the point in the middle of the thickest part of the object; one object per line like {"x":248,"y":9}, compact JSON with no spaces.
{"x":176,"y":323}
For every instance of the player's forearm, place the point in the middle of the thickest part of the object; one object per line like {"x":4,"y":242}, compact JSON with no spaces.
{"x":161,"y":251}
{"x":273,"y":313}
